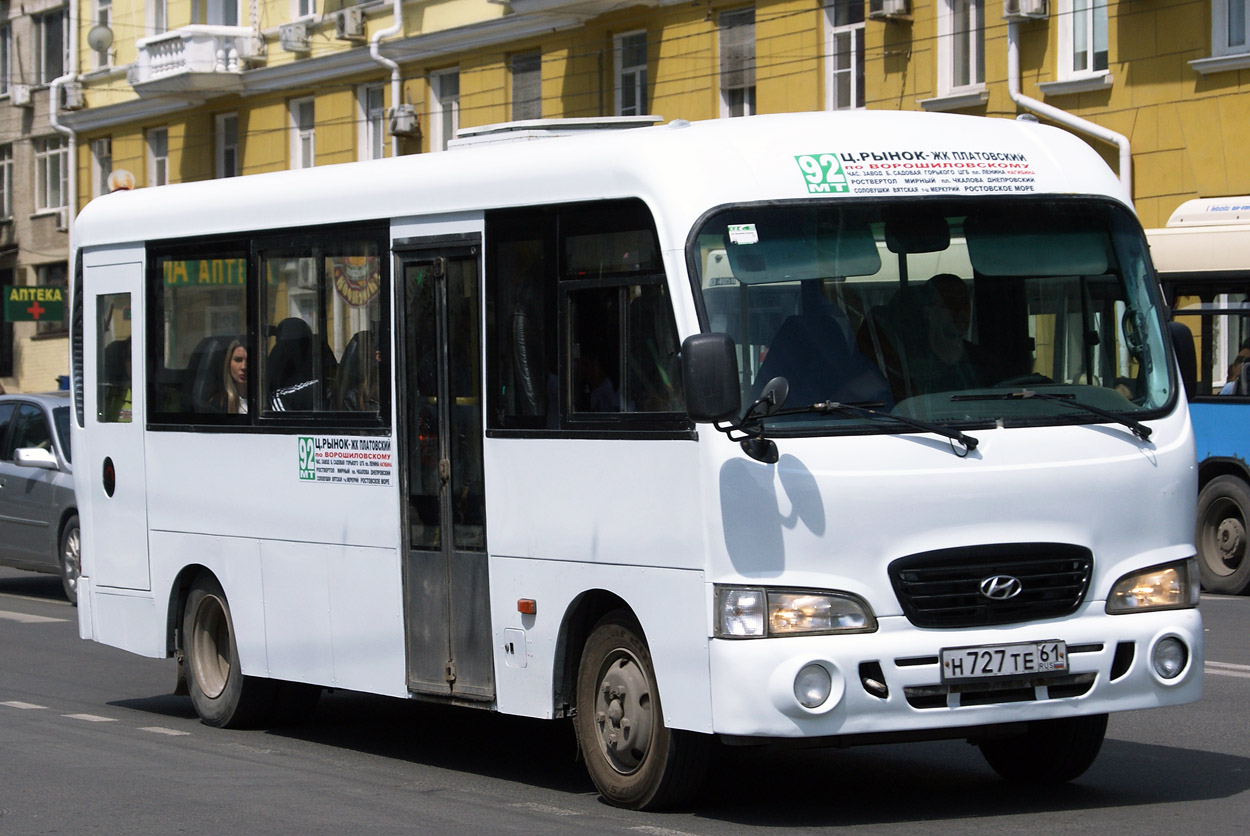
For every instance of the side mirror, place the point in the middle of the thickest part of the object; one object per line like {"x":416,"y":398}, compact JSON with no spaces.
{"x":36,"y":457}
{"x":1186,"y":360}
{"x":709,"y":371}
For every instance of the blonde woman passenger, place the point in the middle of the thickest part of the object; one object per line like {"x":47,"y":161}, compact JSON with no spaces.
{"x":233,"y":399}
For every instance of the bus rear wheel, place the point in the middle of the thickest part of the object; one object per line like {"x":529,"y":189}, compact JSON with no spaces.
{"x":1223,"y":515}
{"x":635,"y":760}
{"x":1049,"y":751}
{"x":221,"y":694}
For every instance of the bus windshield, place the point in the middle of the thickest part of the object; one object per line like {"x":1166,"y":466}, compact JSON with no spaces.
{"x":969,"y":311}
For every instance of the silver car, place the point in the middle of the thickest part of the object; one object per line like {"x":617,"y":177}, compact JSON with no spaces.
{"x":38,"y":514}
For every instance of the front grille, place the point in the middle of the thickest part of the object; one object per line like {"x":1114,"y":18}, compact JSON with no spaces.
{"x":943,"y":588}
{"x":994,"y":693}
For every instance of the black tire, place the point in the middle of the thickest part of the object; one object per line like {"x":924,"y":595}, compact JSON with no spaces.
{"x":1049,"y":751}
{"x":221,"y":694}
{"x":635,"y":761}
{"x":1221,"y":535}
{"x":69,"y":558}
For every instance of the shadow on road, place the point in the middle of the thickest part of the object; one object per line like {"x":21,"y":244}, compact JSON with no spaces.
{"x":898,"y":784}
{"x":32,"y":585}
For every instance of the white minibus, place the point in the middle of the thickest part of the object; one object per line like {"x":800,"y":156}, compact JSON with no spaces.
{"x":823,"y":429}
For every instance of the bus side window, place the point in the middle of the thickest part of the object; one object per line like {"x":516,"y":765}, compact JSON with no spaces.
{"x":200,"y":300}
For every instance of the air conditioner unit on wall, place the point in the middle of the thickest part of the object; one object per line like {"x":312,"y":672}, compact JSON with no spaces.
{"x":404,"y":121}
{"x":349,"y":24}
{"x":293,"y":37}
{"x":1024,"y":9}
{"x":889,"y":10}
{"x":72,"y":97}
{"x":20,"y":94}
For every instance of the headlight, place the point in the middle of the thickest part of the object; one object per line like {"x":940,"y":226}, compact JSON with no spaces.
{"x":746,"y":612}
{"x":1170,"y":587}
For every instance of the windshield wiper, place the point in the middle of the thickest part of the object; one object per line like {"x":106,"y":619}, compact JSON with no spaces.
{"x":866,"y":409}
{"x":1067,"y":399}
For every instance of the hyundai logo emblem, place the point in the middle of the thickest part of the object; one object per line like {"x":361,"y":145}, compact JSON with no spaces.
{"x":1001,"y":587}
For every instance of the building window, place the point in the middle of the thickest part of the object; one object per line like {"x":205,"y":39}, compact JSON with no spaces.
{"x":50,"y":45}
{"x":52,"y":275}
{"x":303,"y":133}
{"x":372,"y":101}
{"x":304,"y":8}
{"x":1083,"y":37}
{"x":1230,"y":27}
{"x":101,"y":164}
{"x":527,"y":86}
{"x":6,"y":46}
{"x":737,"y":62}
{"x":156,"y":17}
{"x":103,"y":17}
{"x":961,"y":45}
{"x":51,"y":167}
{"x":227,"y":131}
{"x":6,"y":181}
{"x":845,"y":77}
{"x":444,"y":108}
{"x":631,"y":74}
{"x":215,"y":12}
{"x":158,"y":156}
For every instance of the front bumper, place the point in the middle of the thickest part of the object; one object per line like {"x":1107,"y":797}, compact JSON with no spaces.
{"x":1108,"y":659}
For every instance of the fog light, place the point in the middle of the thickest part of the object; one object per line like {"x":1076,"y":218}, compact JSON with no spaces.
{"x":812,"y":686}
{"x":1170,"y":657}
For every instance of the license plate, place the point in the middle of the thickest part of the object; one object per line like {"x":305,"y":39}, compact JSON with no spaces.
{"x":1001,"y":661}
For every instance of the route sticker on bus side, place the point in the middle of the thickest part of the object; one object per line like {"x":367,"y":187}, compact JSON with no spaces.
{"x":918,"y":171}
{"x":346,"y":460}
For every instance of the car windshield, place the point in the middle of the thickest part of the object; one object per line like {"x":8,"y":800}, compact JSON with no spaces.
{"x":60,"y":418}
{"x":969,"y":311}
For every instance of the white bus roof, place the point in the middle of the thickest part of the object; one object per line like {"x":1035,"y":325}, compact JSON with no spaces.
{"x":1205,"y":236}
{"x":681,"y":169}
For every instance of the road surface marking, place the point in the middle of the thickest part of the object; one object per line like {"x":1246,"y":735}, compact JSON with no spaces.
{"x":1227,"y":669}
{"x":163,"y":730}
{"x":27,"y":618}
{"x":24,"y":705}
{"x":91,"y":718}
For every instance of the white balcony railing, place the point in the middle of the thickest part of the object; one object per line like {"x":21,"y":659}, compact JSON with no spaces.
{"x":195,"y":58}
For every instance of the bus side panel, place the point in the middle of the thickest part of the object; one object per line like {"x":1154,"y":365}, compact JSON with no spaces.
{"x":601,"y":501}
{"x":128,"y":620}
{"x":334,"y":616}
{"x":670,"y":604}
{"x":1217,"y":433}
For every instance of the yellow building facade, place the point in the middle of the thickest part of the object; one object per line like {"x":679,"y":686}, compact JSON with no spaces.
{"x":288,"y":83}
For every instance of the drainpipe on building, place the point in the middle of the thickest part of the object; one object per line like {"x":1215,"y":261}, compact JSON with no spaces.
{"x":54,"y":119}
{"x":1064,"y":118}
{"x":375,"y":42}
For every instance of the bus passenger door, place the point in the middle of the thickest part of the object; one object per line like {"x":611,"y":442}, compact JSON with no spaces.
{"x":115,"y":539}
{"x":446,"y":597}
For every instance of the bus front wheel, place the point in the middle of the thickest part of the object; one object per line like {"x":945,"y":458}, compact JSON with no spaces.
{"x":221,"y":694}
{"x":635,"y":760}
{"x":1223,"y":514}
{"x":1049,"y":751}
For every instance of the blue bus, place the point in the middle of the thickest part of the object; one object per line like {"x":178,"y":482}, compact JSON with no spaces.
{"x":1203,"y":261}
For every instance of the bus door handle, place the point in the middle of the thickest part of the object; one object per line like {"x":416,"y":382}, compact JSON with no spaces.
{"x":444,"y":470}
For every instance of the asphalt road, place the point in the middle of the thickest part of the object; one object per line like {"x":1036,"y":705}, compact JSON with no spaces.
{"x":92,"y":741}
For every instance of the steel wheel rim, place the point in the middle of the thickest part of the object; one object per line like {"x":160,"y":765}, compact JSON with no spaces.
{"x":210,"y":647}
{"x":624,"y":720}
{"x":1224,"y":533}
{"x":71,"y":556}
